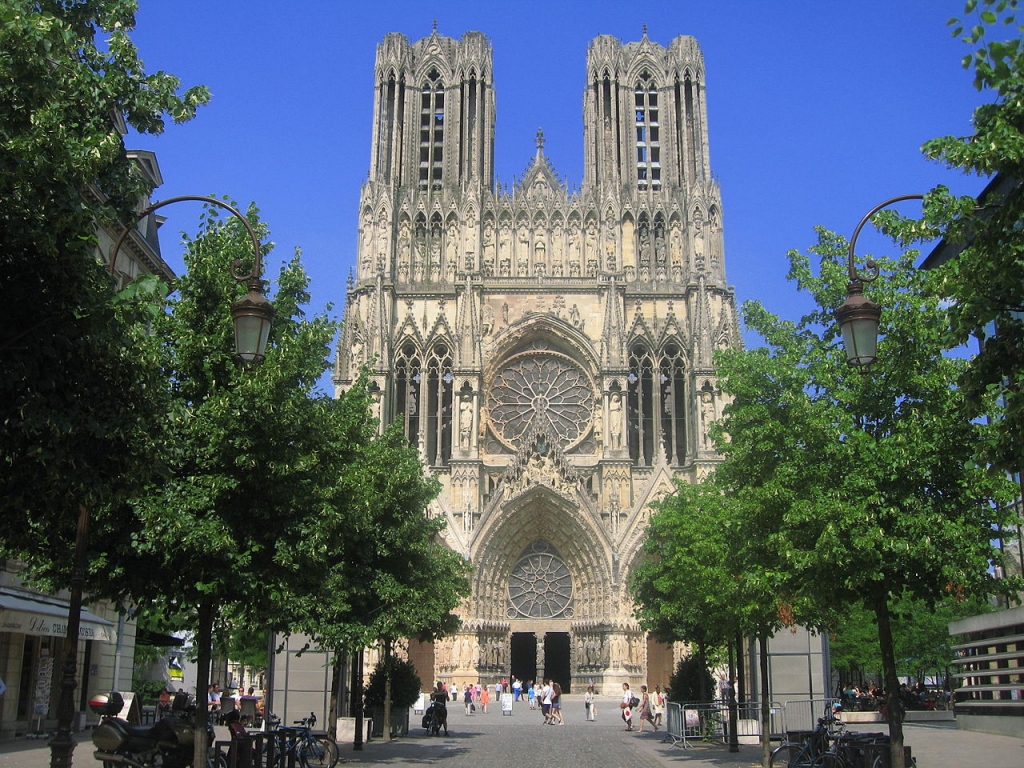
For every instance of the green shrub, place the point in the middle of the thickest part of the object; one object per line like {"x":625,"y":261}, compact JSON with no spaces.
{"x":691,"y":682}
{"x":405,"y":685}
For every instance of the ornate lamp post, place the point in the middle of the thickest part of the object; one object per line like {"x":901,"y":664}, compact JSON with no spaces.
{"x":858,"y":316}
{"x":252,"y":314}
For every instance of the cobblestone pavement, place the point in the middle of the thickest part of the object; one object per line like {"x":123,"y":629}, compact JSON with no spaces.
{"x":521,"y":739}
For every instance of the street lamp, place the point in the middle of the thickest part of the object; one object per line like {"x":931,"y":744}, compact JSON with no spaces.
{"x":252,"y":315}
{"x":858,"y":316}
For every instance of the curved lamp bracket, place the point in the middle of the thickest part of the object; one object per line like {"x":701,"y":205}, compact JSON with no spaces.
{"x":252,"y":314}
{"x":858,"y":316}
{"x":870,"y":263}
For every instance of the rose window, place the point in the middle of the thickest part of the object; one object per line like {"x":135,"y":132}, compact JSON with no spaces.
{"x":541,"y":391}
{"x":540,"y":585}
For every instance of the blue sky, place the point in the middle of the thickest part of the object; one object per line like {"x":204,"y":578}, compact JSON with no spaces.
{"x":816,"y":111}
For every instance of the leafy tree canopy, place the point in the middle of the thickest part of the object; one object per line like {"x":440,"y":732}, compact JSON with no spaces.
{"x":79,"y":384}
{"x":985,"y":282}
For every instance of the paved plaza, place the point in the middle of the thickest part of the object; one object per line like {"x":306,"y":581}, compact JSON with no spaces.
{"x":495,"y":741}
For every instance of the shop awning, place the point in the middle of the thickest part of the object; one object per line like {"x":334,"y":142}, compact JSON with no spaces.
{"x":31,"y":615}
{"x":157,"y":639}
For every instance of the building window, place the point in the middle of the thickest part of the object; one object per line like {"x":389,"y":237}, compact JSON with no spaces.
{"x":656,"y":405}
{"x":408,"y":379}
{"x":431,"y":131}
{"x":648,"y":148}
{"x":438,"y":415}
{"x":540,"y":585}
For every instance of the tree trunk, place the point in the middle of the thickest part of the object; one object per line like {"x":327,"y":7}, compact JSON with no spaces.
{"x":357,"y":698}
{"x":62,"y":746}
{"x":742,"y":694}
{"x":702,"y":666}
{"x":204,"y":655}
{"x":765,"y":696}
{"x":334,"y":711}
{"x":766,"y":715}
{"x":734,"y":740}
{"x":892,"y":683}
{"x":387,"y":689}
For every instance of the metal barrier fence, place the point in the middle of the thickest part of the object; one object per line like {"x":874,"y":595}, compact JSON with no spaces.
{"x":709,"y":721}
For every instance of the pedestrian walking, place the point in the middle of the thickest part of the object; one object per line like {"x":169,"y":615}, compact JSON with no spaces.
{"x":556,"y":704}
{"x":626,"y":705}
{"x":658,"y":704}
{"x":590,"y":703}
{"x":645,"y":710}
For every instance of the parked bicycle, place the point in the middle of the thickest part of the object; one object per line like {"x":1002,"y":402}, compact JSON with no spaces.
{"x":831,"y":746}
{"x":804,"y":754}
{"x":310,"y":749}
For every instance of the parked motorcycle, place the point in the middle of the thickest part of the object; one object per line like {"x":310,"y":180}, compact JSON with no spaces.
{"x":168,"y":743}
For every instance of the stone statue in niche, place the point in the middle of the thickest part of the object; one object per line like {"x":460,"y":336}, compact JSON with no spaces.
{"x":615,"y":420}
{"x":465,"y":422}
{"x":358,"y":346}
{"x":676,"y":244}
{"x":707,"y":415}
{"x":366,"y":246}
{"x":487,"y":266}
{"x":505,"y":243}
{"x":591,"y":242}
{"x":486,"y":320}
{"x":556,"y":251}
{"x":383,"y":244}
{"x":644,"y":245}
{"x":540,"y":255}
{"x":523,"y":253}
{"x":452,"y":243}
{"x":611,"y":260}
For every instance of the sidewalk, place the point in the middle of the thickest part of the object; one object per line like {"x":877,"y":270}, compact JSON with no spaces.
{"x":497,"y":741}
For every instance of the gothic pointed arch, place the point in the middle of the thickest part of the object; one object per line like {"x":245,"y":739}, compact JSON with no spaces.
{"x":502,"y":543}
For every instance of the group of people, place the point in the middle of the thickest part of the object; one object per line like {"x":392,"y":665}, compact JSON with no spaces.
{"x":647,"y":707}
{"x":550,"y":695}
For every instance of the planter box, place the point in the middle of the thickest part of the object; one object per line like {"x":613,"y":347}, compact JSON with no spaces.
{"x":399,"y":722}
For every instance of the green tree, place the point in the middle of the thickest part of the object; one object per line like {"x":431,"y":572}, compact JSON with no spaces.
{"x":683,"y":587}
{"x":711,"y":571}
{"x":394,"y":579}
{"x":250,"y":511}
{"x":921,"y":641}
{"x":985,"y":282}
{"x":865,"y":487}
{"x":79,"y":388}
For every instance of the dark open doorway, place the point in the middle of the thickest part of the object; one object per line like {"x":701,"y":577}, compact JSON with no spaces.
{"x":524,"y":656}
{"x":556,"y":659}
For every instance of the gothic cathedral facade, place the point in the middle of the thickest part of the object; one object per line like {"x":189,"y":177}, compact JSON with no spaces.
{"x":548,"y":351}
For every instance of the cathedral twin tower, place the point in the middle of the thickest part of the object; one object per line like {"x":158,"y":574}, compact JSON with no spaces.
{"x":549,"y":353}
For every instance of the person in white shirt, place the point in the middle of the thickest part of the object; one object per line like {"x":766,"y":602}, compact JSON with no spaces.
{"x":545,"y":702}
{"x":626,"y":707}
